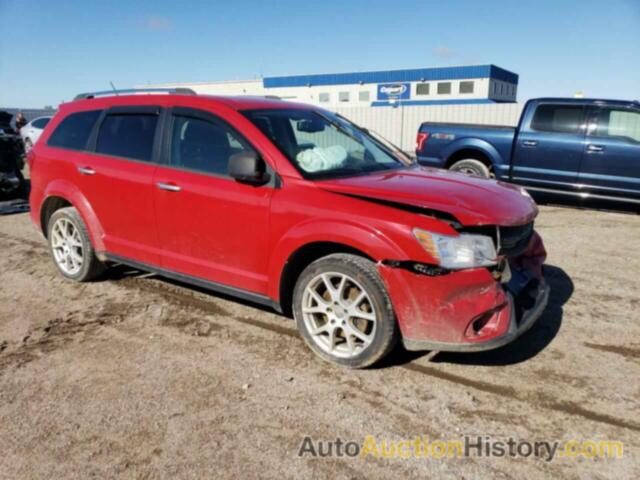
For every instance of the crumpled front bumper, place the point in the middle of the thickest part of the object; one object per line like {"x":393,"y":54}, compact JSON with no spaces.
{"x":468,"y":310}
{"x":519,"y":320}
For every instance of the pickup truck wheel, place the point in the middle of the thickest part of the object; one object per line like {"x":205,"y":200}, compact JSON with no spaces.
{"x":343,"y":311}
{"x":71,"y":247}
{"x":472,"y":167}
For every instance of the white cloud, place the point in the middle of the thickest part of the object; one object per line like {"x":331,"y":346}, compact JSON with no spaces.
{"x":445,"y":52}
{"x":157,"y":23}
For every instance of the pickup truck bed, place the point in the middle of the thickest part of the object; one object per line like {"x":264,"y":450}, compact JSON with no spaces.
{"x":578,"y":147}
{"x":445,"y":140}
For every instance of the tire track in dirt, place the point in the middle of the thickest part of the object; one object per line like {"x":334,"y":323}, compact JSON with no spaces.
{"x":537,"y":399}
{"x":23,"y":241}
{"x":181,"y":296}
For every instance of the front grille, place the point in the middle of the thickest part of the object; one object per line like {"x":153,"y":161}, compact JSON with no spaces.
{"x":514,"y":240}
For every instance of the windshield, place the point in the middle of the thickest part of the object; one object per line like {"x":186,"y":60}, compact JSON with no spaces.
{"x":323,"y":145}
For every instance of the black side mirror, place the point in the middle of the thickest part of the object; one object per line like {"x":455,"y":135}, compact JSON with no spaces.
{"x":248,"y":167}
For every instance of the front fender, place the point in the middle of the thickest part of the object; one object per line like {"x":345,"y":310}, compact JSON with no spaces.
{"x":477,"y":144}
{"x":366,"y":239}
{"x":71,"y":193}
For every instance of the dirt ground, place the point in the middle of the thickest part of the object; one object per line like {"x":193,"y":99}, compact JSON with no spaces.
{"x":140,"y":377}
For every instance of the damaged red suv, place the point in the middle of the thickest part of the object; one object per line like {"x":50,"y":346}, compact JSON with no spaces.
{"x":293,"y":207}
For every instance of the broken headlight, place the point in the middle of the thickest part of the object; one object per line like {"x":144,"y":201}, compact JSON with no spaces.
{"x":461,"y":251}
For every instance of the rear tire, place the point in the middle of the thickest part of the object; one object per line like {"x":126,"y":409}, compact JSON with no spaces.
{"x":471,"y":167}
{"x":350,"y":322}
{"x":71,"y":247}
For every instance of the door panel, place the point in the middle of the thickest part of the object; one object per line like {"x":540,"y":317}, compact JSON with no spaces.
{"x":611,"y":162}
{"x":120,"y":193}
{"x":550,"y":146}
{"x":209,"y":225}
{"x":213,"y":228}
{"x":116,"y":176}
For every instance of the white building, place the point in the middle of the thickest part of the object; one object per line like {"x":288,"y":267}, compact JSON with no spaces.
{"x":392,"y":102}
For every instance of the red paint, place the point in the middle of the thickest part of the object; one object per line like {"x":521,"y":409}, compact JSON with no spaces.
{"x":242,"y":236}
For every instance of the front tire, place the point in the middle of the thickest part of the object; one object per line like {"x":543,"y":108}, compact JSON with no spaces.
{"x":343,"y":311}
{"x":471,"y":167}
{"x":71,"y":247}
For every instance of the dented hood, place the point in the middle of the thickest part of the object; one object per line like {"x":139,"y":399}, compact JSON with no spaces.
{"x":472,"y":201}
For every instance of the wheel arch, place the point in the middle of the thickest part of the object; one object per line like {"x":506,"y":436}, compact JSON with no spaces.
{"x":473,"y":149}
{"x":316,"y":239}
{"x":300,"y":259}
{"x":63,"y":194}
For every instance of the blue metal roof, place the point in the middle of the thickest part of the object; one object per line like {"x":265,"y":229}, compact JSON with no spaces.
{"x":389,"y":76}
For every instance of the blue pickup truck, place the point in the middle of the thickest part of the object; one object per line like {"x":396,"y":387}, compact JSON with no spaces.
{"x":579,"y":147}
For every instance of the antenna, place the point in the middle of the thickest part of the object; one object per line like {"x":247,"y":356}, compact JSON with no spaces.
{"x":114,"y":88}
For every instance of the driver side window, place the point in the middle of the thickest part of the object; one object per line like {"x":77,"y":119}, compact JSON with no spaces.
{"x":203,"y":146}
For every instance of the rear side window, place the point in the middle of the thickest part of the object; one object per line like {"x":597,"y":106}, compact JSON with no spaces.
{"x":127,"y":135}
{"x":202,"y":145}
{"x":73,"y":132}
{"x":558,"y":118}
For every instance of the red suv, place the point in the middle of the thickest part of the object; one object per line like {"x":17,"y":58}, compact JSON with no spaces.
{"x":294,"y":207}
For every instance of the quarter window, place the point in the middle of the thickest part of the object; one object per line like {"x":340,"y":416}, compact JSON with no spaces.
{"x":619,"y":123}
{"x":422,"y":89}
{"x":558,"y":118}
{"x":73,"y":132}
{"x":444,"y":88}
{"x":202,"y":145}
{"x":466,"y":87}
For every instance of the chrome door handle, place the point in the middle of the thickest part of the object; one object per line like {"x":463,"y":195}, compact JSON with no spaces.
{"x":168,"y":187}
{"x":595,"y":148}
{"x":86,"y":170}
{"x":529,"y":143}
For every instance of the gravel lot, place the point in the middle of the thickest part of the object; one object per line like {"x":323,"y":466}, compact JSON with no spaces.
{"x":140,"y":377}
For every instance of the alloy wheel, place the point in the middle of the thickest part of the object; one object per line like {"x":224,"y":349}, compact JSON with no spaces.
{"x":339,"y":314}
{"x":66,"y":245}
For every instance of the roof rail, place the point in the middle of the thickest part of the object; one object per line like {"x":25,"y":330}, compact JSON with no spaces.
{"x":104,"y":93}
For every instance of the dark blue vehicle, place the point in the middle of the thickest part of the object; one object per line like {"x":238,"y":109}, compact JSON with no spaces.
{"x":579,"y":147}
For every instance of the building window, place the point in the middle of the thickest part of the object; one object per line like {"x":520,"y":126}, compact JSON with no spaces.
{"x":466,"y":87}
{"x":343,"y":96}
{"x":495,"y":88}
{"x":363,"y":96}
{"x":323,"y":97}
{"x":444,"y":88}
{"x":422,"y":89}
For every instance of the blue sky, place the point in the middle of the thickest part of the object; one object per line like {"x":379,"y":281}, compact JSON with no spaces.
{"x":51,"y":50}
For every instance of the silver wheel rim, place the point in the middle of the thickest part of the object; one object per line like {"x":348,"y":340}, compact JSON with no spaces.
{"x":339,"y":314}
{"x":469,"y":171}
{"x":66,"y":245}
